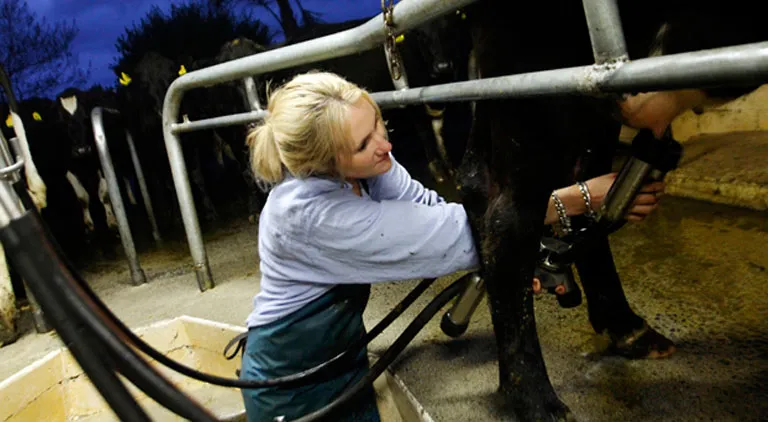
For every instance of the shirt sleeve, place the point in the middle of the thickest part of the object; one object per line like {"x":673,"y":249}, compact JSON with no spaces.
{"x":396,"y":184}
{"x":363,"y":241}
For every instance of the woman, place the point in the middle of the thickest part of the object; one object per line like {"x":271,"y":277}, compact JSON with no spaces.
{"x":324,"y":238}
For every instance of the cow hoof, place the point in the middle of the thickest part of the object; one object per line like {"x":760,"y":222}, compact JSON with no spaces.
{"x":644,"y":343}
{"x":534,"y":404}
{"x":549,"y":412}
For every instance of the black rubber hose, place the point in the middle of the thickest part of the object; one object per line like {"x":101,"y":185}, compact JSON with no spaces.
{"x":301,"y":378}
{"x":317,"y":373}
{"x":389,"y":356}
{"x":36,"y":264}
{"x":126,"y":360}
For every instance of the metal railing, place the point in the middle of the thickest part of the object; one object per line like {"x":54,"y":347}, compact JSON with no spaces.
{"x":612,"y":73}
{"x":113,"y":187}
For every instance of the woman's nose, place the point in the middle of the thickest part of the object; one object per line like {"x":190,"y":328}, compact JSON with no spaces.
{"x":384,"y":147}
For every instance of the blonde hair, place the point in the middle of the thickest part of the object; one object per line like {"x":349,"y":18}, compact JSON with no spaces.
{"x":307,"y":129}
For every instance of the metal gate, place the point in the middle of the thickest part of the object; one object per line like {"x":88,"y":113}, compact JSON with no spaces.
{"x":611,"y":73}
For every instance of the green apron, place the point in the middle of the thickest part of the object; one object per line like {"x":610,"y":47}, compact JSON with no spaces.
{"x":304,"y":339}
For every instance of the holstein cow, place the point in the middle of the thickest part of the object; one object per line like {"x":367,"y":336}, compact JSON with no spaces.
{"x":85,"y":171}
{"x":50,"y":147}
{"x":62,"y":213}
{"x":522,"y":149}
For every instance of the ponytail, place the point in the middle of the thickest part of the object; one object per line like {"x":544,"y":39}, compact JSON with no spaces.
{"x":266,"y":163}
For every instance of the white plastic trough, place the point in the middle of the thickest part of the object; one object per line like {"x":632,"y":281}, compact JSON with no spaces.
{"x":54,"y":388}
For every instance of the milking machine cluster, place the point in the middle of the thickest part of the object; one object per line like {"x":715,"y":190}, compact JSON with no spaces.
{"x":651,"y":159}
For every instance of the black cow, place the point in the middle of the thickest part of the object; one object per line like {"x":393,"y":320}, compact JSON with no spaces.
{"x":426,"y":59}
{"x":522,"y":149}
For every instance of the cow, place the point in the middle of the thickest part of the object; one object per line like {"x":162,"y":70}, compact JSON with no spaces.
{"x":50,"y":148}
{"x":415,"y":131}
{"x":214,"y":166}
{"x":85,"y":171}
{"x":522,"y":149}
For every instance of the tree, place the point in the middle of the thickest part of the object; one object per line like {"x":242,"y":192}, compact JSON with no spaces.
{"x":284,"y":14}
{"x":37,"y":55}
{"x":191,"y":31}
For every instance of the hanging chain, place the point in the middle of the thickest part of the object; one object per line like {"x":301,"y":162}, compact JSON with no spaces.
{"x":388,"y":8}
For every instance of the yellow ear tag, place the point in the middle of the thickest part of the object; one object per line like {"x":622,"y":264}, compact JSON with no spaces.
{"x":9,"y":121}
{"x":236,"y":41}
{"x":37,"y":116}
{"x":182,"y":70}
{"x":125,"y":80}
{"x":400,"y":38}
{"x":463,"y":16}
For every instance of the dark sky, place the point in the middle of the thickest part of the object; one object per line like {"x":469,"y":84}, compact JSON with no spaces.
{"x":101,"y":22}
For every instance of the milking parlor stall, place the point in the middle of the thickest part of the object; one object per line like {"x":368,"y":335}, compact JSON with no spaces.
{"x":151,"y":331}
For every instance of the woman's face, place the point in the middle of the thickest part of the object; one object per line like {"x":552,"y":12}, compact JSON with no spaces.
{"x":370,"y":146}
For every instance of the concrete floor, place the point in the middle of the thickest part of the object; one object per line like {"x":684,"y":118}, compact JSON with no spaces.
{"x":694,"y":270}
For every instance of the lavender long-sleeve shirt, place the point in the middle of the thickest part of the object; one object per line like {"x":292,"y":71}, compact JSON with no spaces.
{"x":315,"y":233}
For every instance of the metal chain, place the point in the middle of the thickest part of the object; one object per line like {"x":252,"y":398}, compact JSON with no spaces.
{"x":590,"y":213}
{"x":565,"y":221}
{"x":387,"y":9}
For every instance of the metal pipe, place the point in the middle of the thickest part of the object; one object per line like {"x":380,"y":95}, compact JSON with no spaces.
{"x":605,"y":31}
{"x":184,"y":191}
{"x":137,"y":274}
{"x":143,"y":186}
{"x":746,"y":63}
{"x":251,"y":93}
{"x":214,"y":122}
{"x":11,"y":173}
{"x":728,"y":64}
{"x":407,"y":14}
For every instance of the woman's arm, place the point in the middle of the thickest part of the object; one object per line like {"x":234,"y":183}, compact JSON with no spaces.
{"x":354,"y":241}
{"x":645,"y":202}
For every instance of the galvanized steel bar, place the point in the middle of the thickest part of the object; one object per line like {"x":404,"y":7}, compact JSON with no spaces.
{"x":605,"y":30}
{"x":407,"y":14}
{"x":9,"y":171}
{"x":143,"y":186}
{"x":214,"y":122}
{"x":746,"y":64}
{"x":252,"y":94}
{"x":137,"y":274}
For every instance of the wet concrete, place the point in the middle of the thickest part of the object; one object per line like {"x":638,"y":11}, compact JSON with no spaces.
{"x":696,"y":271}
{"x":726,"y":168}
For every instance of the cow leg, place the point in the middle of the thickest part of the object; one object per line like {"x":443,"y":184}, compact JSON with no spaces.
{"x":35,"y":184}
{"x":508,"y":235}
{"x":609,"y":310}
{"x":106,"y":202}
{"x":84,"y":199}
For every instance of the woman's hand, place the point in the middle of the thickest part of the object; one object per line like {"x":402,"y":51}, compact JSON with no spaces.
{"x":645,"y":202}
{"x":656,"y":110}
